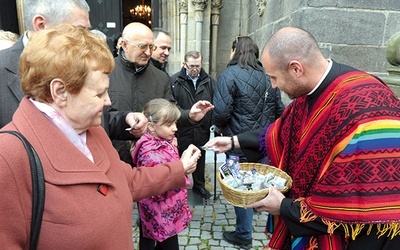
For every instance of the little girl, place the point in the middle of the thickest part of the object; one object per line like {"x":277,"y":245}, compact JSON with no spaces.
{"x":162,"y":217}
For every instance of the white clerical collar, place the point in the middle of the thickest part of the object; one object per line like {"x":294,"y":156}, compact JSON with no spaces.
{"x":323,"y":76}
{"x":25,"y":39}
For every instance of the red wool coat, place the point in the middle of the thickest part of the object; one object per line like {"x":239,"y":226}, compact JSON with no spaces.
{"x":76,"y":215}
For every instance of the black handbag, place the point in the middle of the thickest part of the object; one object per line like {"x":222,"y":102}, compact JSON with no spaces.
{"x":38,"y":190}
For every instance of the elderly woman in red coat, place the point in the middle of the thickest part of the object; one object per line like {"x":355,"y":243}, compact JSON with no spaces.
{"x":89,"y":191}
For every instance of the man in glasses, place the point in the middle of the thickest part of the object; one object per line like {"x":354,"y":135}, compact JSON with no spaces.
{"x":134,"y":82}
{"x":190,"y":85}
{"x":162,"y":39}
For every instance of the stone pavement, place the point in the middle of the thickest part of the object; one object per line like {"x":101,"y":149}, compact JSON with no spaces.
{"x":211,"y":218}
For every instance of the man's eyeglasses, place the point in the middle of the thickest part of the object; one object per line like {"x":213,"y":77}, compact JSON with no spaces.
{"x":192,"y":66}
{"x":143,"y":47}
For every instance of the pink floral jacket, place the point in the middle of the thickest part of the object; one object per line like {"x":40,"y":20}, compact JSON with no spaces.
{"x":168,"y":214}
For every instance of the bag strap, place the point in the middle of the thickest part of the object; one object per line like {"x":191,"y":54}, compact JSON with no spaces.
{"x":38,"y":188}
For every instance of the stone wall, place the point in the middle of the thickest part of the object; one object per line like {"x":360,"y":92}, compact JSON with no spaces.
{"x":354,"y":32}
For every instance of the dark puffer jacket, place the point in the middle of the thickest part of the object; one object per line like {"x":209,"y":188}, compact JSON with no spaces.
{"x":195,"y":133}
{"x":244,"y":100}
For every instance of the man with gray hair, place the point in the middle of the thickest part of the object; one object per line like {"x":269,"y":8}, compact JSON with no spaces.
{"x":99,"y":34}
{"x":38,"y":15}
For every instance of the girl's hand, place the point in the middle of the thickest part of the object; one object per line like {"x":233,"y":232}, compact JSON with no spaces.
{"x":189,"y":159}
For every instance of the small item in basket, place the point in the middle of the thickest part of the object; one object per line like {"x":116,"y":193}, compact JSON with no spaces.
{"x":232,"y":181}
{"x":269,"y":177}
{"x":259,"y":182}
{"x":278,"y":182}
{"x":248,"y":178}
{"x":225,"y":171}
{"x":233,"y":163}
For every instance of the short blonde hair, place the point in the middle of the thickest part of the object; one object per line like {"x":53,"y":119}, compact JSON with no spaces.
{"x":161,"y":111}
{"x":64,"y":52}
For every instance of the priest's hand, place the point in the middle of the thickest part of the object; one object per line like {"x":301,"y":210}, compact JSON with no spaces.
{"x":270,"y":204}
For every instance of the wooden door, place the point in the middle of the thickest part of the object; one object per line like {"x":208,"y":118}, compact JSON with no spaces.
{"x":106,"y":16}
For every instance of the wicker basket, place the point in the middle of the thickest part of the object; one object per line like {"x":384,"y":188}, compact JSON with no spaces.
{"x":240,"y":198}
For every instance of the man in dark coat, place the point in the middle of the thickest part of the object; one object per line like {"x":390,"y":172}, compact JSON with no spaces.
{"x":189,"y":85}
{"x":134,"y":82}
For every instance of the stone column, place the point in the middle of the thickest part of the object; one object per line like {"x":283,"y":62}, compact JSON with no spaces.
{"x":393,"y":57}
{"x":164,"y":15}
{"x":199,"y":5}
{"x":20,"y":11}
{"x":183,"y":12}
{"x":216,"y":6}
